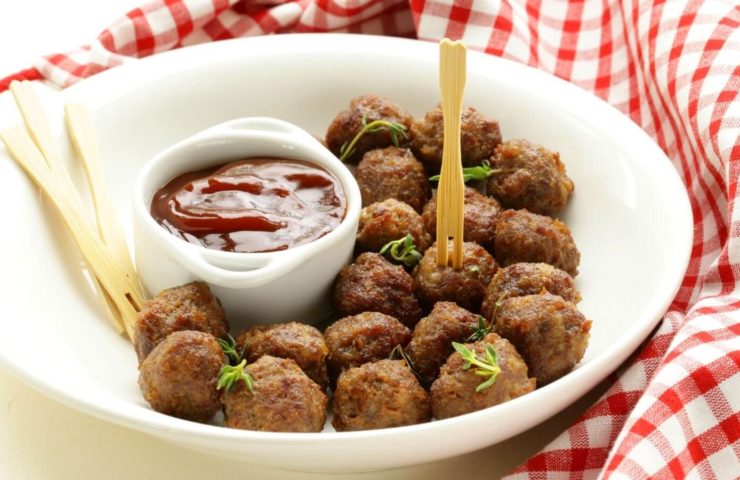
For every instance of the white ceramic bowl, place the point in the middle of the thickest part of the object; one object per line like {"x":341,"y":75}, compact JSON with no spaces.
{"x":629,"y":215}
{"x":252,"y":287}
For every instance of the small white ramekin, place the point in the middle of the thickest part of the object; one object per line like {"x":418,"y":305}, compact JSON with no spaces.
{"x":254,"y":288}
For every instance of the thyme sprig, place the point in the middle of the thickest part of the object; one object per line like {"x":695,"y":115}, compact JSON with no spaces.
{"x":398,"y":353}
{"x":229,"y":348}
{"x":484,"y":328}
{"x":486,"y":367}
{"x":402,"y":250}
{"x":231,"y":374}
{"x":479,"y":172}
{"x":396,"y":130}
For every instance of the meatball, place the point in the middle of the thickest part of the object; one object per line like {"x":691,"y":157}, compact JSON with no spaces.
{"x":373,"y":284}
{"x":382,"y":394}
{"x":431,"y":343}
{"x":302,"y":343}
{"x":187,"y":307}
{"x":465,"y":287}
{"x":387,"y":221}
{"x":362,"y":338}
{"x":479,"y":217}
{"x":367,"y":108}
{"x":180,"y":375}
{"x":393,"y":173}
{"x":531,"y":177}
{"x":284,"y":399}
{"x":522,"y":236}
{"x":453,"y":393}
{"x":478,"y":138}
{"x":549,"y":332}
{"x":522,"y":279}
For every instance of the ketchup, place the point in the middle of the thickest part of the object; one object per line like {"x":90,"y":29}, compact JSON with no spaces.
{"x":252,"y":205}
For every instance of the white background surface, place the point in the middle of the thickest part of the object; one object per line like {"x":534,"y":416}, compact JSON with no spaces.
{"x":42,"y":439}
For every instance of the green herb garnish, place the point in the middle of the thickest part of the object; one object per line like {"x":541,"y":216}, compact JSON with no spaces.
{"x":402,"y":250}
{"x":398,"y":353}
{"x":483,"y":329}
{"x":397,"y":131}
{"x":229,"y":348}
{"x":486,"y":367}
{"x":481,"y":172}
{"x":231,"y":374}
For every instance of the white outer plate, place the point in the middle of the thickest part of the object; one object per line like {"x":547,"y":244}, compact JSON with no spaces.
{"x":630,"y":218}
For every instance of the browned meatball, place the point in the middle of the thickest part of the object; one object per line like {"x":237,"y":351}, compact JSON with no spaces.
{"x":550,"y":333}
{"x":465,"y":287}
{"x":382,"y":394}
{"x":302,"y":343}
{"x":522,"y":236}
{"x":187,"y":307}
{"x":479,"y":221}
{"x":393,"y":173}
{"x":284,"y":399}
{"x":523,"y":279}
{"x":180,"y":375}
{"x":479,"y":137}
{"x":431,"y":343}
{"x":387,"y":221}
{"x":348,"y":123}
{"x":373,"y":284}
{"x":453,"y":393}
{"x":362,"y":338}
{"x":531,"y":177}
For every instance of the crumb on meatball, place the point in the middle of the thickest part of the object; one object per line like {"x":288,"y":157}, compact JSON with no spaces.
{"x":300,"y":342}
{"x":431,"y":342}
{"x":284,"y":399}
{"x":465,"y":287}
{"x":549,"y":332}
{"x":373,"y":284}
{"x":187,"y":307}
{"x":367,"y":108}
{"x":387,"y":221}
{"x":530,"y":177}
{"x":393,"y":172}
{"x":522,"y":279}
{"x":381,"y":394}
{"x":522,"y":236}
{"x":478,"y":138}
{"x":479,"y":218}
{"x":180,"y":375}
{"x":454,"y":392}
{"x":366,"y":337}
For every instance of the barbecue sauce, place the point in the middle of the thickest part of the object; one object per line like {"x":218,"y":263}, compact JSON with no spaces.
{"x":251,"y":205}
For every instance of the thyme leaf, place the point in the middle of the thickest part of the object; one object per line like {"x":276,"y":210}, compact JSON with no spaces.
{"x":397,"y":132}
{"x":398,"y":353}
{"x":231,"y":374}
{"x":483,"y":329}
{"x":229,"y":348}
{"x":480,"y":172}
{"x":485,"y":367}
{"x":402,"y":250}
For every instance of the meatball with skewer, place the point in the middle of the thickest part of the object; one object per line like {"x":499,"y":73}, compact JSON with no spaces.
{"x":479,"y":137}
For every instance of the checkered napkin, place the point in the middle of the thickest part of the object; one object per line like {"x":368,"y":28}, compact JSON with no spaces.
{"x":674,"y":67}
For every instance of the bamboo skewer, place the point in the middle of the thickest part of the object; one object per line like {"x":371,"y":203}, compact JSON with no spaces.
{"x":451,"y":188}
{"x":105,"y":251}
{"x":35,"y":121}
{"x":114,"y":281}
{"x":81,"y":132}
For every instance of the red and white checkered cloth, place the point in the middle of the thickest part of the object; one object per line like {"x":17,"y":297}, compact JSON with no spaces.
{"x":674,"y":68}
